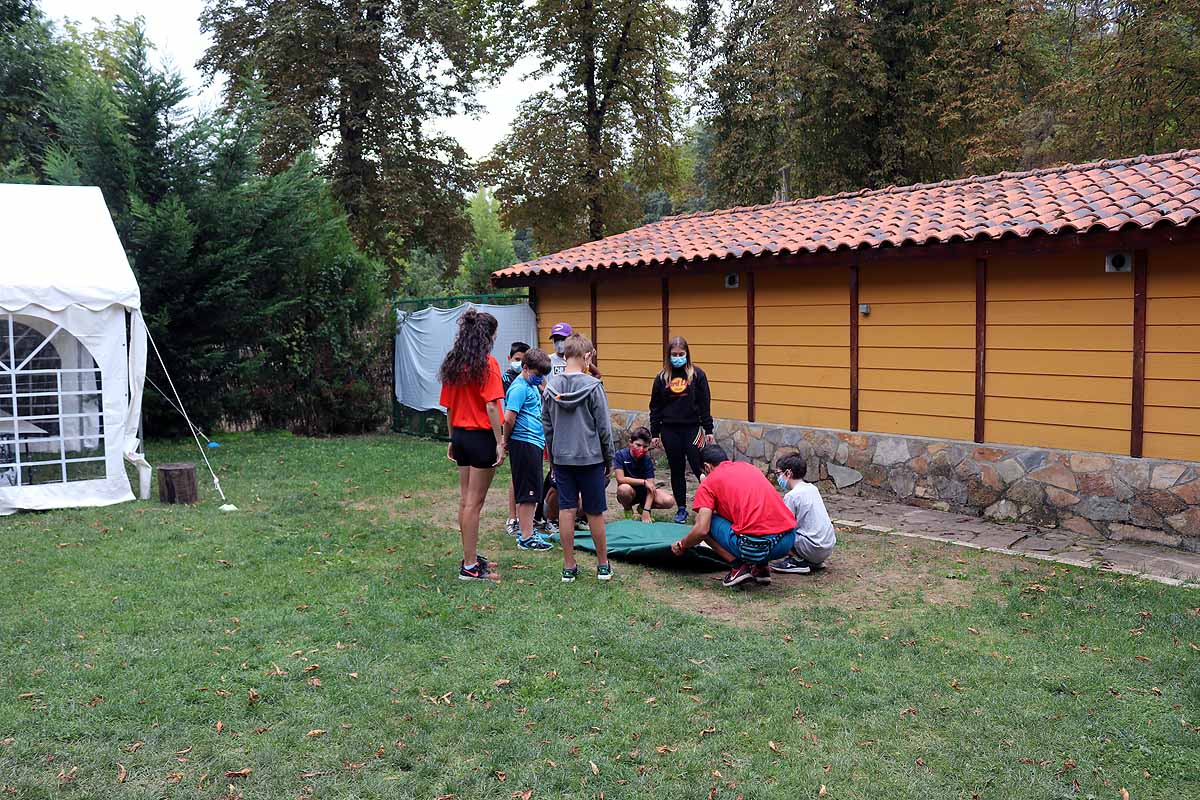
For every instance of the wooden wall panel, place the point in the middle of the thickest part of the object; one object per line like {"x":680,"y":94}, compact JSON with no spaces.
{"x":917,"y":349}
{"x":629,"y":316}
{"x":1172,"y":421}
{"x":713,"y":320}
{"x":563,"y":302}
{"x":1059,"y":353}
{"x":802,"y":347}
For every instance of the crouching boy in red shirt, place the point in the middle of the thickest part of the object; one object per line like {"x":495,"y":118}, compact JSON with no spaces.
{"x":740,"y":516}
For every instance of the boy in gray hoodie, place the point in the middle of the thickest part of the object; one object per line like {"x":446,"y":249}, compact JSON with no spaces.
{"x":579,"y":437}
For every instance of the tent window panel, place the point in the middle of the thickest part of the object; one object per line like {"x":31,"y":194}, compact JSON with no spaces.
{"x":41,"y":474}
{"x":85,"y":470}
{"x":51,"y":406}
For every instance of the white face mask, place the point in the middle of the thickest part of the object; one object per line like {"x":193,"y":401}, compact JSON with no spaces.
{"x":559,"y":346}
{"x":516,"y":365}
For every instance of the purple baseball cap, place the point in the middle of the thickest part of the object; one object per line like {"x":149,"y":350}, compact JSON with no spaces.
{"x":562,"y":329}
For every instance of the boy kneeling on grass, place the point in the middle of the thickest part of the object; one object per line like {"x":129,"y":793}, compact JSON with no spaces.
{"x":575,"y":416}
{"x":523,"y":431}
{"x":815,"y":535}
{"x":740,"y":516}
{"x":634,"y":470}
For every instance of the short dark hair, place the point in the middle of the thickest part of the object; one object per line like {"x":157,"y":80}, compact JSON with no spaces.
{"x":713,"y":454}
{"x":537,"y":361}
{"x":640,"y":435}
{"x":794,"y":463}
{"x":517,"y":347}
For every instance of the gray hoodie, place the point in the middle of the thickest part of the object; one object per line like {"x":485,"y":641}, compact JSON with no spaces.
{"x":575,"y":416}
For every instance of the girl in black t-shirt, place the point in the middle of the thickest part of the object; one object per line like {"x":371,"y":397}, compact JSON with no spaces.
{"x":681,"y":417}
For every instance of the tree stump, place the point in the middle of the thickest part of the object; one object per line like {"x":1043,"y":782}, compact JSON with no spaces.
{"x":177,"y":483}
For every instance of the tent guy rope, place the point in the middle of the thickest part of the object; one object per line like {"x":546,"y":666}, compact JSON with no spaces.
{"x":227,"y":506}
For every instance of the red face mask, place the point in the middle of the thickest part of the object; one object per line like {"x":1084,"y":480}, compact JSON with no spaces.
{"x":637,"y":450}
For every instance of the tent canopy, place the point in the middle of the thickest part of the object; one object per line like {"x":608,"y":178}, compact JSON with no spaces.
{"x":60,"y":249}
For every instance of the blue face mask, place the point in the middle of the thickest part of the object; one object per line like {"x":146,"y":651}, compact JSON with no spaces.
{"x":679,"y":361}
{"x":535,"y":380}
{"x":782,"y":480}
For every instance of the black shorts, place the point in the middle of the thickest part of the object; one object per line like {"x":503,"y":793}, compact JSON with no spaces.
{"x":581,"y":487}
{"x":525,"y":460}
{"x":472,"y":447}
{"x":640,"y":493}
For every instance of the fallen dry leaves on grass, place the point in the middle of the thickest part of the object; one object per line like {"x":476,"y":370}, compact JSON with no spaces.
{"x":121,"y":772}
{"x":244,"y":772}
{"x":315,"y":732}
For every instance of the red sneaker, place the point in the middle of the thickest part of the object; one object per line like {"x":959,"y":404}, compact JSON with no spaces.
{"x":738,"y":573}
{"x":761,"y":573}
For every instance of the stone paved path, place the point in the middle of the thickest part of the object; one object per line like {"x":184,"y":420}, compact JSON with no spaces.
{"x":1164,"y":564}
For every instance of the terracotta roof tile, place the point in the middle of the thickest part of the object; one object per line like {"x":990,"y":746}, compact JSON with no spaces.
{"x":1110,"y":195}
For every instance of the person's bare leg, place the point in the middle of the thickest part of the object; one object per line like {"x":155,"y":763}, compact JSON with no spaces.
{"x":599,"y":536}
{"x":464,"y":491}
{"x":525,"y":517}
{"x":663,"y":499}
{"x":625,"y":495}
{"x":566,"y":534}
{"x":552,"y":506}
{"x":512,"y":501}
{"x":479,"y":482}
{"x":721,"y":551}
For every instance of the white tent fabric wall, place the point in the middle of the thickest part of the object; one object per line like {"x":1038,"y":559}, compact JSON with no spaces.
{"x":424,"y":337}
{"x":70,"y":374}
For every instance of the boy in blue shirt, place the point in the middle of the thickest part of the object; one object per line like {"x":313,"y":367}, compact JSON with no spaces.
{"x":634,"y":470}
{"x":527,"y":441}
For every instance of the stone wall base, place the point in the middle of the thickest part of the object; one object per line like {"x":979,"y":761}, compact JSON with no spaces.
{"x":1116,"y":497}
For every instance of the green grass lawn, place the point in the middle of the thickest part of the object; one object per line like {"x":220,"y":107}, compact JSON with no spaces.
{"x":149,"y":650}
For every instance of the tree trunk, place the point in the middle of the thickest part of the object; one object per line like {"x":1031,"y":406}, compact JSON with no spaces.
{"x":177,"y":483}
{"x":356,"y":176}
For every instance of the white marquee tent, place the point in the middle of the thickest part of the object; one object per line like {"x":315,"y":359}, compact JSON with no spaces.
{"x":72,"y":352}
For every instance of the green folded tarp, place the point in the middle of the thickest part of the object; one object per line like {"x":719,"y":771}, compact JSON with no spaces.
{"x":639,"y":541}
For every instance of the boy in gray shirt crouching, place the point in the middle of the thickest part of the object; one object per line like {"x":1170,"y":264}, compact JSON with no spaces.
{"x":815,"y":535}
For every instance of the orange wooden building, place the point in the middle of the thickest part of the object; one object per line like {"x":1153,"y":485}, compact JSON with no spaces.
{"x":1057,"y":310}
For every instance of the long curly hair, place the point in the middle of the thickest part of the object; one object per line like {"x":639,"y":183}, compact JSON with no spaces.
{"x":467,"y":361}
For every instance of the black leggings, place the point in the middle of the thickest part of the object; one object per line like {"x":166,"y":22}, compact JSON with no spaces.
{"x":680,"y":444}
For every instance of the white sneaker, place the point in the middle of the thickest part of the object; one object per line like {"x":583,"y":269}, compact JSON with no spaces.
{"x":513,"y":527}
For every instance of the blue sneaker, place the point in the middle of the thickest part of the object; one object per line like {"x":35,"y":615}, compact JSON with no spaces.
{"x":681,"y":516}
{"x":604,"y":572}
{"x":534,"y":542}
{"x":569,"y":575}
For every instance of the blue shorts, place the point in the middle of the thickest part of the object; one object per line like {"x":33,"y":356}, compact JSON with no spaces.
{"x":751,"y":549}
{"x":576,"y":483}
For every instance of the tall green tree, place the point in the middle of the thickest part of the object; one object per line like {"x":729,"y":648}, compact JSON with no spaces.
{"x":491,"y":246}
{"x":31,"y":61}
{"x":1128,"y":80}
{"x":251,"y":283}
{"x":360,"y":80}
{"x":579,"y":152}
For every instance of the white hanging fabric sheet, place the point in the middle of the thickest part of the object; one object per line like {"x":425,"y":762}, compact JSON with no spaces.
{"x":424,"y":337}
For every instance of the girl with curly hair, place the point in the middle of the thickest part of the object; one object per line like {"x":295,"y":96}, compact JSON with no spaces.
{"x":473,"y":395}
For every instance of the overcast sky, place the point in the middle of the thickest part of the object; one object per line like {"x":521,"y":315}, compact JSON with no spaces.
{"x":173,"y":26}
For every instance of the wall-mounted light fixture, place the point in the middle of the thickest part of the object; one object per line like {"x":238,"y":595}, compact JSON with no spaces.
{"x":864,"y":309}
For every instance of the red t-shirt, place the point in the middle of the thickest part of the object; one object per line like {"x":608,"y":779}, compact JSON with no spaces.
{"x":738,"y":492}
{"x":467,"y":403}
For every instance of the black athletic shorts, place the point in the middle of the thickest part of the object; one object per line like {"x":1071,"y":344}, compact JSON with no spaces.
{"x":525,"y":460}
{"x":640,"y":493}
{"x":472,"y":447}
